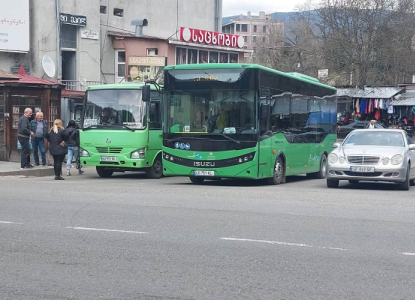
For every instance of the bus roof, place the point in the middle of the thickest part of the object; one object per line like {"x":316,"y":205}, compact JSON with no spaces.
{"x":120,"y":86}
{"x":293,"y":75}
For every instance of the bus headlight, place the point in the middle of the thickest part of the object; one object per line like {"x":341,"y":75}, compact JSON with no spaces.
{"x":396,"y":159}
{"x":138,"y":154}
{"x":84,"y":153}
{"x":333,"y":158}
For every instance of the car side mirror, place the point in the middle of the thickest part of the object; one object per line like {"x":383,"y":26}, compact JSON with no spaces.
{"x":146,"y":93}
{"x":335,"y":145}
{"x":412,"y":147}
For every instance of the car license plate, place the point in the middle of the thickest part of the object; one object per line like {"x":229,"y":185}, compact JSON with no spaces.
{"x":362,"y":169}
{"x":204,"y":173}
{"x":109,"y":158}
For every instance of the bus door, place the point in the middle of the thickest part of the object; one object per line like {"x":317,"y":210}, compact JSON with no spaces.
{"x":155,"y":135}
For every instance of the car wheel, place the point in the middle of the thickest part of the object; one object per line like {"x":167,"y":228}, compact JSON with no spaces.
{"x":405,"y":185}
{"x":278,"y":172}
{"x":104,"y":173}
{"x":197,"y":180}
{"x":354,"y":181}
{"x":156,"y":170}
{"x":332,"y":183}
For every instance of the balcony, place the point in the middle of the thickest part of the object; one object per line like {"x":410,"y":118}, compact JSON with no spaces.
{"x":78,"y":85}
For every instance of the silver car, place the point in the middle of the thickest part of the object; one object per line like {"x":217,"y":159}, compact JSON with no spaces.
{"x":373,"y":155}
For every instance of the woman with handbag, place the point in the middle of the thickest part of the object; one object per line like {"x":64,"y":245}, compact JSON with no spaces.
{"x":72,"y":142}
{"x":57,"y":147}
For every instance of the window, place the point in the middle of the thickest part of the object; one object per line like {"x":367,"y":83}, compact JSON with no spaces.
{"x":181,"y":54}
{"x":233,"y":57}
{"x":244,"y":28}
{"x":254,"y":39}
{"x":254,"y":28}
{"x":264,"y":28}
{"x":238,"y":27}
{"x":245,"y":39}
{"x":68,"y":36}
{"x":263,"y":39}
{"x":103,"y":9}
{"x":213,"y":57}
{"x":152,"y":52}
{"x":120,"y":64}
{"x":192,"y":57}
{"x":118,"y":12}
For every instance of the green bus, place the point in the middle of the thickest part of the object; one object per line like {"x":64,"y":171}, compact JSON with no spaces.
{"x":119,"y":131}
{"x":245,"y":121}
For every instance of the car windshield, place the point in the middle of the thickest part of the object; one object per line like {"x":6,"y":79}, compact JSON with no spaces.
{"x":378,"y":138}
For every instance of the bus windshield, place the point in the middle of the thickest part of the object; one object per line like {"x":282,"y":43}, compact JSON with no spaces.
{"x":210,"y":101}
{"x":115,"y":108}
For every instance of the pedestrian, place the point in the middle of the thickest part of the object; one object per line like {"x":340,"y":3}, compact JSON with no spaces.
{"x":39,"y":129}
{"x":371,"y":124}
{"x":57,"y":148}
{"x":23,"y":136}
{"x":73,"y":147}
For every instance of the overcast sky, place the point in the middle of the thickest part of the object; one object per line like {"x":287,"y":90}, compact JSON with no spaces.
{"x":237,"y":7}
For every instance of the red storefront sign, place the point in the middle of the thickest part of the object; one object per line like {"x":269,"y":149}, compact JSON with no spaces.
{"x":211,"y":38}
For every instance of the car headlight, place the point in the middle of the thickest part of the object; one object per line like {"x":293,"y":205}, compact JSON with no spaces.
{"x":342,"y":160}
{"x":84,"y":153}
{"x":385,"y":160}
{"x":138,"y":154}
{"x":396,"y":159}
{"x":333,"y":158}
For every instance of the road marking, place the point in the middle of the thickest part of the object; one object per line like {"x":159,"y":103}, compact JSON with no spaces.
{"x":6,"y":222}
{"x":282,"y":243}
{"x":107,"y":230}
{"x":408,"y":253}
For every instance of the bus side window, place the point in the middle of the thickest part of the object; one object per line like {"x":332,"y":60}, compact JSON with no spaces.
{"x":155,"y":115}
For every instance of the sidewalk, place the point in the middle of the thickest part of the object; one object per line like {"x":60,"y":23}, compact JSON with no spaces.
{"x":13,"y":169}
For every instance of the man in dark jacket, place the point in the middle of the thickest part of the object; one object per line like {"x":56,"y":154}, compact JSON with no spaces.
{"x":23,"y":135}
{"x":39,"y":128}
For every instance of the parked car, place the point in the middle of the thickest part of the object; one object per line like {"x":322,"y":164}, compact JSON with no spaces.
{"x":344,"y":130}
{"x":385,"y":155}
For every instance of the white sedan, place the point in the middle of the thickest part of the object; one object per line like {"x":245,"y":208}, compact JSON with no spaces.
{"x":385,"y":155}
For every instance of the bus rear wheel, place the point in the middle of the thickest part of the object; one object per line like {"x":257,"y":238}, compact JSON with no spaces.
{"x":278,"y":172}
{"x":196,"y":180}
{"x":156,"y":170}
{"x":321,"y":174}
{"x":105,"y":173}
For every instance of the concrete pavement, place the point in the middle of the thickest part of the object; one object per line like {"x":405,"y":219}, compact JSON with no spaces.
{"x":13,"y":169}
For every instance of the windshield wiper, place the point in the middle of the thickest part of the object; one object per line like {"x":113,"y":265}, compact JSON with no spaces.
{"x":132,"y":129}
{"x":186,"y":137}
{"x":229,"y":138}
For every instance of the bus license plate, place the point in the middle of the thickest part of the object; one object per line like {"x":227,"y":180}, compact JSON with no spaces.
{"x":362,"y":169}
{"x":108,"y":158}
{"x":204,"y":173}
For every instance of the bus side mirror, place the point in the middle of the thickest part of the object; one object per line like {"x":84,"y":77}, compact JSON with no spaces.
{"x":146,"y":93}
{"x":265,"y":110}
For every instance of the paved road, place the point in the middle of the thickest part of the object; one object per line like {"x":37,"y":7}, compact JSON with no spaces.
{"x":128,"y":237}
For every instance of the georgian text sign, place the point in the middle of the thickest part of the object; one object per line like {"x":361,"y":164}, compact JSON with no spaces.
{"x":211,"y":38}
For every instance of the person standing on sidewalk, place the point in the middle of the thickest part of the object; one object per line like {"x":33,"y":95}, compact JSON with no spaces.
{"x":73,"y":147}
{"x":57,"y":148}
{"x":23,"y":135}
{"x":39,"y":128}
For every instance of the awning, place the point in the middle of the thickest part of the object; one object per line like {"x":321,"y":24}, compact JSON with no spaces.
{"x":404,"y":102}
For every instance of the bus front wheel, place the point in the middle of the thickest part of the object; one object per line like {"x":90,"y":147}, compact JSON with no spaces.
{"x":278,"y":172}
{"x":105,"y":173}
{"x":196,"y":180}
{"x":156,"y":170}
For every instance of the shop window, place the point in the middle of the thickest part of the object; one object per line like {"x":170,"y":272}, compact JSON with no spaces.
{"x":224,"y":57}
{"x":203,"y":57}
{"x":120,"y":64}
{"x":181,"y":56}
{"x":213,"y":57}
{"x":233,"y":58}
{"x":192,"y":57}
{"x":118,"y":12}
{"x":68,"y":36}
{"x":53,"y":111}
{"x":20,"y":104}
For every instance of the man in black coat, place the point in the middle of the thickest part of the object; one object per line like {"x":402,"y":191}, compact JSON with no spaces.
{"x":23,"y":135}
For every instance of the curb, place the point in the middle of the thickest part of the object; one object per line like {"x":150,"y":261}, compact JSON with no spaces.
{"x":31,"y":172}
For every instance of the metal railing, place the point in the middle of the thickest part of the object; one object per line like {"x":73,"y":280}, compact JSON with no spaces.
{"x":76,"y":85}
